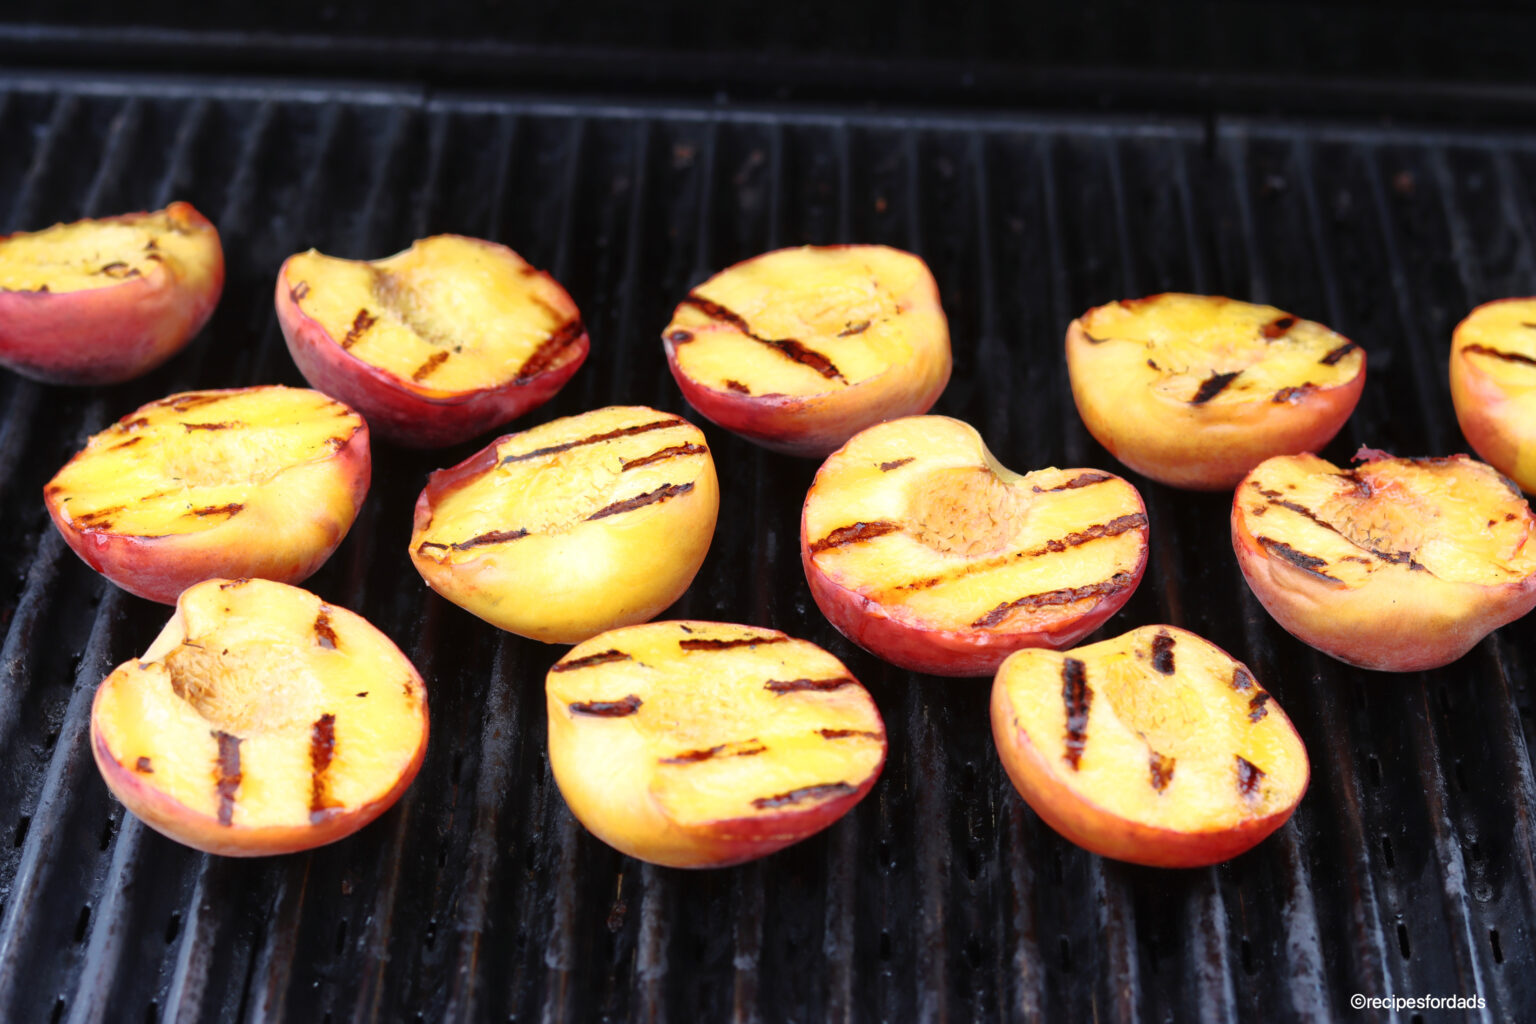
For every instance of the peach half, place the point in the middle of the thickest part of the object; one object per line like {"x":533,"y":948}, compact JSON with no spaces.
{"x":262,"y":720}
{"x":573,"y":527}
{"x":104,"y":301}
{"x":704,"y":744}
{"x":926,"y":552}
{"x":1195,"y":390}
{"x":436,"y":344}
{"x":1397,"y":564}
{"x":1493,"y":385}
{"x":261,"y":481}
{"x":800,"y":349}
{"x":1156,"y":747}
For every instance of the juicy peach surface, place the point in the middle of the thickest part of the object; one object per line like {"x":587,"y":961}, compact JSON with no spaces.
{"x":1155,"y":747}
{"x":103,"y":301}
{"x":573,"y":527}
{"x":262,"y":720}
{"x":436,"y":344}
{"x":261,"y":481}
{"x":1195,"y":390}
{"x":1396,"y":564}
{"x":800,"y":349}
{"x":1493,"y":385}
{"x":703,"y":744}
{"x":921,"y":548}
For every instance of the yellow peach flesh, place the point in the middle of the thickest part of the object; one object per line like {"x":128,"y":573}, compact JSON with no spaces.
{"x":93,"y":254}
{"x":1493,"y":383}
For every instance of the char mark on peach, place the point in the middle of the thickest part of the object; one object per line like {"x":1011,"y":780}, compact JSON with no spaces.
{"x":120,"y":270}
{"x":1081,"y":480}
{"x":144,"y":766}
{"x":795,"y":796}
{"x":1162,"y":652}
{"x":1077,"y":695}
{"x":1162,"y":770}
{"x":738,"y":387}
{"x":843,"y":734}
{"x":129,"y":443}
{"x":680,"y":337}
{"x":1242,"y":680}
{"x":1256,"y":708}
{"x":548,"y":354}
{"x":1212,"y":386}
{"x":857,"y":533}
{"x":789,"y":347}
{"x":886,"y":467}
{"x":322,"y":750}
{"x":1065,"y":595}
{"x":493,"y":537}
{"x":1277,"y":327}
{"x":783,"y":686}
{"x":675,"y":451}
{"x":227,"y":775}
{"x":621,"y":708}
{"x":1498,"y":353}
{"x":186,"y":403}
{"x":325,"y":636}
{"x":1395,"y":557}
{"x":298,"y":291}
{"x":233,"y":508}
{"x":1339,"y":353}
{"x":189,"y":427}
{"x":725,"y":643}
{"x":427,"y":368}
{"x":360,"y":325}
{"x":695,"y":756}
{"x":1249,"y":776}
{"x":608,"y":435}
{"x":600,"y":658}
{"x":1287,"y":395}
{"x":101,"y":519}
{"x":1300,"y":559}
{"x":852,"y":329}
{"x":660,"y":494}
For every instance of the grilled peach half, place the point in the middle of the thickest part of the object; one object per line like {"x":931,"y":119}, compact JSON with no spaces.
{"x":434,"y":345}
{"x":1156,"y":747}
{"x":800,"y":349}
{"x":573,"y":527}
{"x":104,"y":301}
{"x":1195,"y":390}
{"x":922,"y":549}
{"x":704,"y":744}
{"x":1396,"y":564}
{"x":262,"y":720}
{"x":1493,"y":385}
{"x":261,"y":481}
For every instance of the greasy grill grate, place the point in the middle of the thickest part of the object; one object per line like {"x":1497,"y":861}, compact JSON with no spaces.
{"x":1408,"y":870}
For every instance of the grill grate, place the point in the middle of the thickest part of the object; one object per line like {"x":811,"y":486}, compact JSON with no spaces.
{"x":1408,"y":870}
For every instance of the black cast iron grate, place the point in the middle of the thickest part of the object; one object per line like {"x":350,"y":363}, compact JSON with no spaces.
{"x":1408,"y":870}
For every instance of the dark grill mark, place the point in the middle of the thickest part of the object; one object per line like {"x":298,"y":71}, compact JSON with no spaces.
{"x":360,"y":325}
{"x":594,"y":439}
{"x":135,"y":423}
{"x":218,"y":510}
{"x":324,"y":634}
{"x":1277,"y":327}
{"x":607,"y":708}
{"x":1256,"y":708}
{"x":1395,"y":557}
{"x":1081,"y":480}
{"x":1066,"y":595}
{"x":788,"y":346}
{"x":783,"y":686}
{"x":1248,"y":777}
{"x":322,"y":750}
{"x":1286,"y":395}
{"x":551,"y":349}
{"x":1300,"y":559}
{"x":708,"y":644}
{"x":494,"y":537}
{"x":119,"y":270}
{"x":676,"y":451}
{"x":852,"y":329}
{"x":186,"y":403}
{"x":1339,"y":353}
{"x":660,"y":494}
{"x":1076,"y":695}
{"x":189,"y":427}
{"x":694,"y":756}
{"x":425,"y":370}
{"x":129,"y":443}
{"x":738,"y":387}
{"x":101,"y":519}
{"x":843,"y":734}
{"x":886,"y":467}
{"x":680,"y":336}
{"x":1242,"y":679}
{"x":298,"y":291}
{"x":1212,"y":386}
{"x":795,"y":796}
{"x":1162,"y":770}
{"x":1498,"y":353}
{"x":144,"y":765}
{"x":856,"y":533}
{"x":1162,"y":652}
{"x":227,"y":777}
{"x":600,"y":658}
